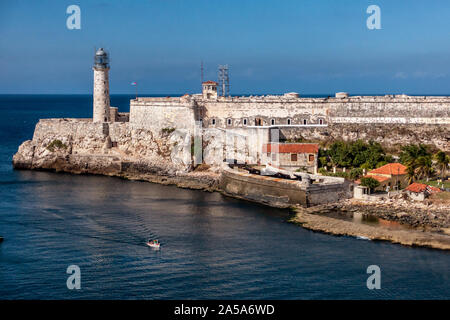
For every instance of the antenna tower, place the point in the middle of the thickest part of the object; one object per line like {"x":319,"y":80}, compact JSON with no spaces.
{"x":224,"y":81}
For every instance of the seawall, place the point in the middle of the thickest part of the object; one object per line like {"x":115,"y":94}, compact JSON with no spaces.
{"x":283,"y":193}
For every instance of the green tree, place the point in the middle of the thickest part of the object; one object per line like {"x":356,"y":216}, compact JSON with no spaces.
{"x":424,"y":166}
{"x":340,"y":155}
{"x":442,"y":162}
{"x":370,"y":183}
{"x":417,"y":159}
{"x":356,"y":173}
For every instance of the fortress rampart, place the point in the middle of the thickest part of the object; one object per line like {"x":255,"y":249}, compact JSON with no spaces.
{"x":280,"y":111}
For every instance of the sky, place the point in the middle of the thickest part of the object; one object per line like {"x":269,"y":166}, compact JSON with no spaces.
{"x":271,"y":46}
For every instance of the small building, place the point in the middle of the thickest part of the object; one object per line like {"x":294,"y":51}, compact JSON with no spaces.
{"x":209,"y":90}
{"x":341,"y":95}
{"x":292,"y":156}
{"x":392,"y":175}
{"x":420,"y":191}
{"x":360,"y":192}
{"x":291,"y":95}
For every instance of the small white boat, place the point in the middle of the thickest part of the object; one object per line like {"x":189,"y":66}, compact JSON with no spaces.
{"x":362,"y":238}
{"x":153,"y":244}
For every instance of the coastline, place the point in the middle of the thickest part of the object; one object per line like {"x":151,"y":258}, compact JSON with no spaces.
{"x":315,"y":219}
{"x":90,"y":153}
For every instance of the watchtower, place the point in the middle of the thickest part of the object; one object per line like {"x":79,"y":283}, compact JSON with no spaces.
{"x":209,"y":90}
{"x":101,"y":87}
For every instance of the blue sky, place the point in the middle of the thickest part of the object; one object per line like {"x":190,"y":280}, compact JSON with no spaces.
{"x":271,"y":46}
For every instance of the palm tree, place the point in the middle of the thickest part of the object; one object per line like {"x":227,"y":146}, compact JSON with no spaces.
{"x":411,"y":174}
{"x":424,"y":166}
{"x":443,"y":161}
{"x":417,"y":159}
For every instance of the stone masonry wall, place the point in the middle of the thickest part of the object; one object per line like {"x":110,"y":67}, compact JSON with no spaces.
{"x":162,"y":113}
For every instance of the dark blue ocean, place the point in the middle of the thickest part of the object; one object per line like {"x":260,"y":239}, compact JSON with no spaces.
{"x":213,"y":247}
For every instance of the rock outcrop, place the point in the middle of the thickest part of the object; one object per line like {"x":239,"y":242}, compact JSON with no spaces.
{"x":117,"y":149}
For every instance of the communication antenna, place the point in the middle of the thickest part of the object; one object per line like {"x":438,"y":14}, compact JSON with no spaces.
{"x":224,"y":81}
{"x":201,"y":69}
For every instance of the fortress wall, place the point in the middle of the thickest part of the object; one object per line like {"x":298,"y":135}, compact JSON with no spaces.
{"x":428,"y":110}
{"x":243,"y":145}
{"x":81,"y":134}
{"x":385,"y":108}
{"x":325,"y":193}
{"x":267,"y":110}
{"x":392,"y":120}
{"x":281,"y":192}
{"x":266,"y":190}
{"x":157,"y":116}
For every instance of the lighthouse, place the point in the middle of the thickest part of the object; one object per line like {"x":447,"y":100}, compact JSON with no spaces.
{"x":101,"y":87}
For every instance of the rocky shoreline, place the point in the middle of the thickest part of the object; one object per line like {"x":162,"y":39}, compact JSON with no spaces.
{"x":419,"y":224}
{"x":345,"y":228}
{"x":427,"y":232}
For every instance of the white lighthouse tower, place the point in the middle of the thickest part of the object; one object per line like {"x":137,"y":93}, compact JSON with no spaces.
{"x":101,"y":87}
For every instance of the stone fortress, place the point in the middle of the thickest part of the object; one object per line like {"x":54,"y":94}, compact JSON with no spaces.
{"x":155,"y":137}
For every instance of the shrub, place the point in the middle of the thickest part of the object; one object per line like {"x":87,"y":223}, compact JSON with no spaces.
{"x":167,"y":130}
{"x":56,"y":144}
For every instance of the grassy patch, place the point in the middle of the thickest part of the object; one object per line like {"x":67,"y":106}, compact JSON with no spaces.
{"x":434,"y":183}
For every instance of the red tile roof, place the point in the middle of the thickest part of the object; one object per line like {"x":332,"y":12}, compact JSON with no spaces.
{"x":292,"y":147}
{"x":421,"y":187}
{"x":391,"y":169}
{"x":210,"y":82}
{"x":378,"y":178}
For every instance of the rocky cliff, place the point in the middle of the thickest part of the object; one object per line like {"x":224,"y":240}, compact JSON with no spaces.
{"x":117,"y":149}
{"x":390,"y":136}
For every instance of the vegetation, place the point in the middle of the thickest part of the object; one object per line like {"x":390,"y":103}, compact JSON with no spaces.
{"x":435,"y":183}
{"x":418,"y":161}
{"x":167,"y":130}
{"x":356,"y":173}
{"x":370,"y":183}
{"x":442,"y":162}
{"x":56,"y":144}
{"x":421,"y":164}
{"x":357,"y":154}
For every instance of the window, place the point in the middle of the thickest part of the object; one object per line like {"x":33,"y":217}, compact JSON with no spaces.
{"x":213,"y":121}
{"x":311,"y":158}
{"x":245,"y":122}
{"x":272,"y":122}
{"x":229,"y":122}
{"x":274,"y":157}
{"x":268,"y":154}
{"x":305,"y":121}
{"x":293,"y":157}
{"x":320,"y":121}
{"x":288,"y":121}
